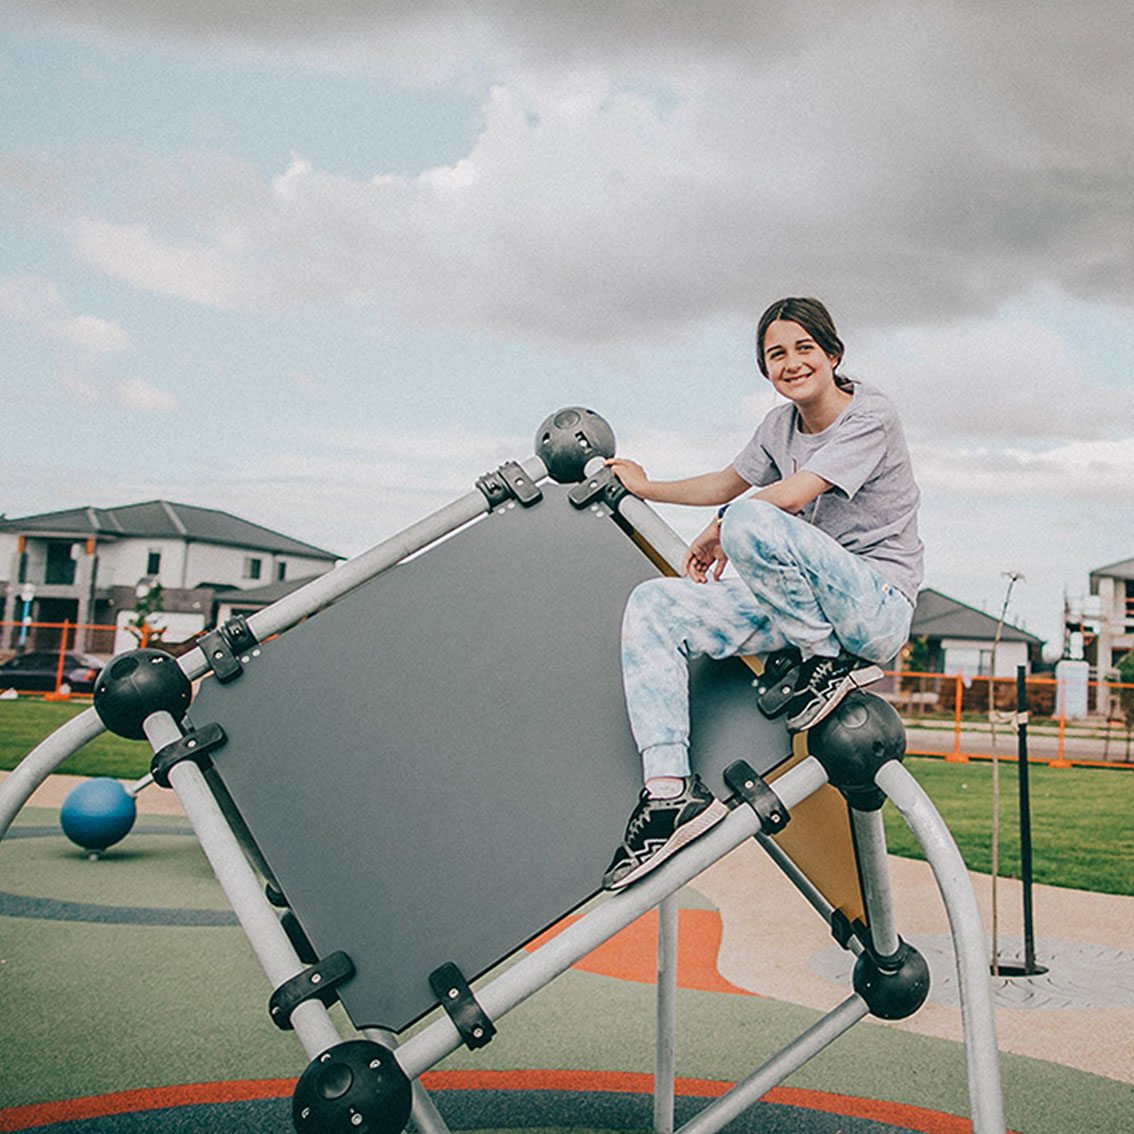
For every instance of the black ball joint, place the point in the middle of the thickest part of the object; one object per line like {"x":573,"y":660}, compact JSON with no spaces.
{"x":893,"y":987}
{"x":854,"y":741}
{"x":568,"y":439}
{"x":137,"y":683}
{"x":357,"y":1087}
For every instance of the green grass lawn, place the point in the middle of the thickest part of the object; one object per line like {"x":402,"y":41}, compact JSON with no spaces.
{"x":24,"y":723}
{"x":1082,"y":834}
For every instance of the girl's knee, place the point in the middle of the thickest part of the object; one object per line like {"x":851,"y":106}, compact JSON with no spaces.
{"x":646,"y":602}
{"x":660,"y":610}
{"x":750,"y":523}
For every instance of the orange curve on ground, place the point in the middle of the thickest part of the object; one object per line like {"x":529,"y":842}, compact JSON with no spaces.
{"x":632,"y":953}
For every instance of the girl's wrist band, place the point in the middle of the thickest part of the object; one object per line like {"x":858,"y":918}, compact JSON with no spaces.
{"x":721,"y":511}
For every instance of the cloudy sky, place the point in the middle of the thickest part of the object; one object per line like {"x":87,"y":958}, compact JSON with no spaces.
{"x":323,"y":263}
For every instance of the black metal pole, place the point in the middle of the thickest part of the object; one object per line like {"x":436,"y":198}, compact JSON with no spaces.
{"x":1025,"y":819}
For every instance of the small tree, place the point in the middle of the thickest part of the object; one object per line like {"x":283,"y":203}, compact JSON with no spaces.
{"x":918,"y":660}
{"x":150,"y":602}
{"x":1126,"y":694}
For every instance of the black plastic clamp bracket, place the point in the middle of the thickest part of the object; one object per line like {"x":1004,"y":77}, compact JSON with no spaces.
{"x":754,"y":790}
{"x":320,"y":981}
{"x":520,"y":485}
{"x":509,"y":482}
{"x":451,"y":988}
{"x":494,"y":489}
{"x":604,"y":485}
{"x":221,"y":647}
{"x":841,"y":928}
{"x":195,"y":745}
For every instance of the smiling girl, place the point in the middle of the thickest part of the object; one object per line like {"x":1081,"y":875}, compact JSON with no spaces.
{"x":828,"y":562}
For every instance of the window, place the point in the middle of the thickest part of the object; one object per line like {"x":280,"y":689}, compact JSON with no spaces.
{"x":153,"y":563}
{"x":281,"y":572}
{"x":252,"y":567}
{"x":60,"y":569}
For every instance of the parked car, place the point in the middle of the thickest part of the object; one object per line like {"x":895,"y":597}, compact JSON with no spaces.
{"x":36,"y":672}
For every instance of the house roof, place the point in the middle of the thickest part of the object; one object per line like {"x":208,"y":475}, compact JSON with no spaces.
{"x":268,"y":593}
{"x":161,"y":519}
{"x":939,"y":616}
{"x":1124,"y":569}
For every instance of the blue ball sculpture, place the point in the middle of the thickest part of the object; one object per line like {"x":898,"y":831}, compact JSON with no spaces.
{"x":98,"y":813}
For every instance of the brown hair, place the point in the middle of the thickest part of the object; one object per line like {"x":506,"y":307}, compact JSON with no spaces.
{"x":814,"y":318}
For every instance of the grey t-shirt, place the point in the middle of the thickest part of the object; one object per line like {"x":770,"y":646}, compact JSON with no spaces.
{"x":872,"y":508}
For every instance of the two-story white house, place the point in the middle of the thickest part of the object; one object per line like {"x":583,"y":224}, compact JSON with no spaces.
{"x":1109,"y":624}
{"x":86,"y":565}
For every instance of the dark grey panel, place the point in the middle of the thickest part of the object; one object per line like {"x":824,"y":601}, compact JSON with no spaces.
{"x":439,"y":766}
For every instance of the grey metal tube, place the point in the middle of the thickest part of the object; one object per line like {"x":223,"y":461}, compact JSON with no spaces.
{"x":874,"y":869}
{"x":978,"y":1019}
{"x":665,"y":1055}
{"x":644,"y":520}
{"x":42,"y":760}
{"x":334,"y":584}
{"x":778,"y":1068}
{"x":654,"y":530}
{"x":426,"y":1117}
{"x":803,"y":884}
{"x":273,"y":949}
{"x":530,"y":974}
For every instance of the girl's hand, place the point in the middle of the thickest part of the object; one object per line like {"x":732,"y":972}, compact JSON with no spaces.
{"x":632,"y":475}
{"x":705,"y":553}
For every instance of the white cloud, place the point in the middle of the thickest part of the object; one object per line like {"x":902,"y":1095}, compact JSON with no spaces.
{"x":79,"y":388}
{"x":138,"y":394}
{"x":1077,"y":471}
{"x":992,"y":378}
{"x":38,"y":304}
{"x":986,"y":152}
{"x":190,"y":269}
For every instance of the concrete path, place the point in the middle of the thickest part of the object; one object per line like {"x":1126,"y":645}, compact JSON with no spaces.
{"x":1083,"y":938}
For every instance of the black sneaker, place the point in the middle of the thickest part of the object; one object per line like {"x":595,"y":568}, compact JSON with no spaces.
{"x":659,"y":828}
{"x":776,"y":684}
{"x":823,"y":683}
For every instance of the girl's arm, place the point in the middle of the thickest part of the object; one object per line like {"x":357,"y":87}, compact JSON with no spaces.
{"x":794,"y":492}
{"x":708,"y":488}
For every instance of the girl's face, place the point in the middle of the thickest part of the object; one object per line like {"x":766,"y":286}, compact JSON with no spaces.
{"x":797,"y":366}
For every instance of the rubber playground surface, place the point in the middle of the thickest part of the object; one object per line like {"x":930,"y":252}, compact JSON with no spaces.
{"x":131,"y":1001}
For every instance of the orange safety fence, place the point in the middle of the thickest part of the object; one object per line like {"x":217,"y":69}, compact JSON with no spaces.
{"x":947,"y":715}
{"x":962,"y":717}
{"x":24,"y":665}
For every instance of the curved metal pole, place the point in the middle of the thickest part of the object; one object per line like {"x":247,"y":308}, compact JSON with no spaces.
{"x":978,"y":1019}
{"x":42,"y":760}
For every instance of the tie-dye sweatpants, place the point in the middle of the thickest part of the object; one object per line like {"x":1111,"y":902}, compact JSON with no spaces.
{"x":796,"y":586}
